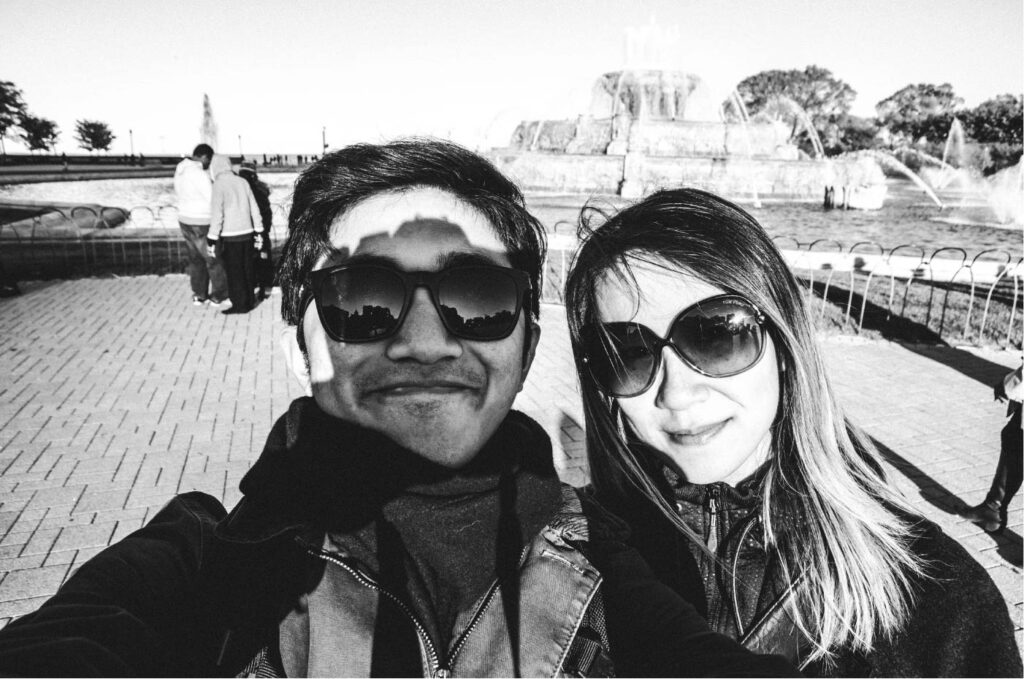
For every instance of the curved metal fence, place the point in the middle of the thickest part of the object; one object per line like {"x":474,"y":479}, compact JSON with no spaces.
{"x":944,"y":295}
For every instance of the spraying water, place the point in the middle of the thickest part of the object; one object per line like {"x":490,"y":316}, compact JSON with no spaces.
{"x":889,"y":160}
{"x":208,"y":128}
{"x":953,"y":153}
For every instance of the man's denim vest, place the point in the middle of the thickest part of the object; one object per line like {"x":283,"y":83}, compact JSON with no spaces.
{"x":560,"y":630}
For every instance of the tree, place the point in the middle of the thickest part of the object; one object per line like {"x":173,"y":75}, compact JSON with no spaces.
{"x":822,"y":96}
{"x":907,"y":111}
{"x":93,"y":135}
{"x":38,"y":133}
{"x":12,"y":108}
{"x":997,"y":120}
{"x":849,"y":133}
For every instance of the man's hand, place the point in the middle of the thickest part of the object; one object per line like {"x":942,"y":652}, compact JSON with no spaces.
{"x":211,"y":247}
{"x":999,"y":391}
{"x":258,"y":241}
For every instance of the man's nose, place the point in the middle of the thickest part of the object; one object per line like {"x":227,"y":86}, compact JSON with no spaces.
{"x":422,"y":336}
{"x":679,"y":386}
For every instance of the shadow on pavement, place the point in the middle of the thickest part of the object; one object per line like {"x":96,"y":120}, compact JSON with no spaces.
{"x":1010,"y":544}
{"x":1011,"y":547}
{"x":931,"y":490}
{"x":964,"y":362}
{"x":915,"y":336}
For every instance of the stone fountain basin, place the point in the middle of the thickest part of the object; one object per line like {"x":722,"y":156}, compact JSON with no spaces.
{"x":20,"y":217}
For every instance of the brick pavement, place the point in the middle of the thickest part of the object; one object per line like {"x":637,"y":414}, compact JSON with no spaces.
{"x":118,"y":393}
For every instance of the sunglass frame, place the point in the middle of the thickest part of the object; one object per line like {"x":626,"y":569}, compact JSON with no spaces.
{"x":658,"y":344}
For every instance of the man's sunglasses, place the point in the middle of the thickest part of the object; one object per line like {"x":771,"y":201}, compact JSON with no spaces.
{"x":368,"y":302}
{"x":718,"y":337}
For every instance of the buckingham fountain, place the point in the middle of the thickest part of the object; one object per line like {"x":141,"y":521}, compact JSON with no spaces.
{"x":655,"y":128}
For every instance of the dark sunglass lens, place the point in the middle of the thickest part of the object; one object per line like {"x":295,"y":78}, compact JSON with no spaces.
{"x":622,"y":358}
{"x":361,"y":303}
{"x":721,"y":338}
{"x":478,"y":303}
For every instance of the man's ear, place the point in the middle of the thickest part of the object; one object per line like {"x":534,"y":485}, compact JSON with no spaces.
{"x":529,"y":349}
{"x":295,"y":359}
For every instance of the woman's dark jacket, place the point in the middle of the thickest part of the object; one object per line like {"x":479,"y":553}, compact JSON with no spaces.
{"x":958,"y":625}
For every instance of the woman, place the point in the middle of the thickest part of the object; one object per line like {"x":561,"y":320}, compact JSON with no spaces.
{"x":713,"y":431}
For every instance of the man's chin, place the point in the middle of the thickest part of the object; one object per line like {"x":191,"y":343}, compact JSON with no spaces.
{"x":453,"y":451}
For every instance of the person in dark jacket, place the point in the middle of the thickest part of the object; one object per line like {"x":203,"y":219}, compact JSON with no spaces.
{"x":265,"y":261}
{"x":712,"y":431}
{"x":401,"y":520}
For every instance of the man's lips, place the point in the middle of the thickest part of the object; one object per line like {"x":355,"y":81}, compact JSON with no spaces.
{"x":418,"y":387}
{"x":697,"y":436}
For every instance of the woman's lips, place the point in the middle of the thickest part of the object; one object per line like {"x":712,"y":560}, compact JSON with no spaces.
{"x":697,"y":436}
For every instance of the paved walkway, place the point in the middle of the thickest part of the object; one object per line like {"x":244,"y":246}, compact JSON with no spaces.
{"x":117,"y":393}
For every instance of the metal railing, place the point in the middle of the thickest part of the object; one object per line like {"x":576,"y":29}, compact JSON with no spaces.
{"x":937,"y":293}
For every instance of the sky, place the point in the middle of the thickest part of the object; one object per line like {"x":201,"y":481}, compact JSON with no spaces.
{"x":282,"y":76}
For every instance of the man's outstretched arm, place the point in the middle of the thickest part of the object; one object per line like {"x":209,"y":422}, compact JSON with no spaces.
{"x":125,"y":611}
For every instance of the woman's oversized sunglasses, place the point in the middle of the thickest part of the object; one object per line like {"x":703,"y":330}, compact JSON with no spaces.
{"x":369,"y":302}
{"x":718,"y":337}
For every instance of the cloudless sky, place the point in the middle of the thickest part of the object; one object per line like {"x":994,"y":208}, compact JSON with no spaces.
{"x":277,"y":72}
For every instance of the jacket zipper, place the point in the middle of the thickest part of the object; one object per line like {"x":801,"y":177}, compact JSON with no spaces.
{"x":438,"y":670}
{"x":713,"y":523}
{"x":714,"y":607}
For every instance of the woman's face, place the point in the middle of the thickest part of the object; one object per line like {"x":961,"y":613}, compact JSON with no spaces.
{"x":709,"y":428}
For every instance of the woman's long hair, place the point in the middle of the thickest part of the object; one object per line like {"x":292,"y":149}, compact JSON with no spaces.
{"x":850,"y":544}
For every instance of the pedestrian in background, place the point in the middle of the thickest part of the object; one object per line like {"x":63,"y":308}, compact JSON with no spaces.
{"x":264,"y":263}
{"x":234,"y":234}
{"x":991,"y":514}
{"x":193,"y":189}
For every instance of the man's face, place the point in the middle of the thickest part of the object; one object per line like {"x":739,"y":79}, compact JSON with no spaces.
{"x":429,"y":391}
{"x":206,"y":160}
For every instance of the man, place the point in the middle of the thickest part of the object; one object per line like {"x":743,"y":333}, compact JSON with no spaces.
{"x":193,"y":188}
{"x":401,"y":520}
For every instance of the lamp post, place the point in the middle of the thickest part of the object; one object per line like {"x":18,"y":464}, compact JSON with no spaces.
{"x":131,"y":142}
{"x":240,"y":146}
{"x":323,"y":137}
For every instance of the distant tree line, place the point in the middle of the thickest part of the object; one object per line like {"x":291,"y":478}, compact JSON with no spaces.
{"x":40,"y":134}
{"x":917,"y":117}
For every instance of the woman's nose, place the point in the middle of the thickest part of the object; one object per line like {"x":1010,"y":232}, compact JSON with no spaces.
{"x":679,"y":386}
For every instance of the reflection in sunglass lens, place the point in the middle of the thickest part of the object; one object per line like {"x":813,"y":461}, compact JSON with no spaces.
{"x":624,"y":359}
{"x":478,"y":303}
{"x":720,"y":340}
{"x":362,"y":303}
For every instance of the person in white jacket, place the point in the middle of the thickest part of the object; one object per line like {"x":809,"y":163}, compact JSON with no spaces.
{"x":234,"y":235}
{"x":991,"y":514}
{"x":193,"y":190}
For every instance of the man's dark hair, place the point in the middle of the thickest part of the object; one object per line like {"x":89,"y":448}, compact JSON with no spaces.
{"x":343,"y":178}
{"x":202,"y":150}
